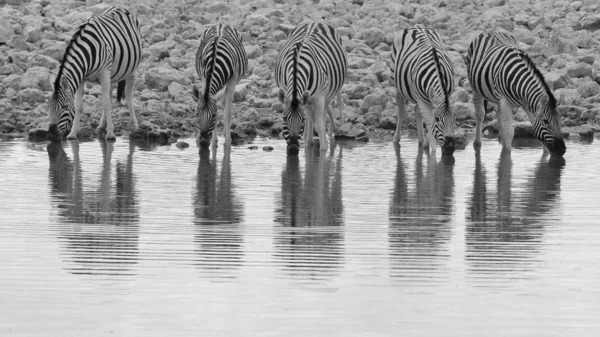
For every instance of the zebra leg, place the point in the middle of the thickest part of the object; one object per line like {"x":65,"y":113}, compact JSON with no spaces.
{"x":427,"y":114}
{"x":106,"y":115}
{"x":505,"y":117}
{"x":309,"y":123}
{"x":419,"y":122}
{"x":78,"y":110}
{"x":340,"y":103}
{"x":319,"y":114}
{"x":129,"y":83}
{"x":227,"y":112}
{"x":479,"y":115}
{"x":401,"y":114}
{"x":332,"y":128}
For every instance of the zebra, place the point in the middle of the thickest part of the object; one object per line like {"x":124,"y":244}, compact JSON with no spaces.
{"x":423,"y":74}
{"x":501,"y":73}
{"x":221,"y":62}
{"x":107,"y":48}
{"x":309,"y":72}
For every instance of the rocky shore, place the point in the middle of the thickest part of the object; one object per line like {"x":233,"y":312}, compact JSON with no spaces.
{"x":562,"y":37}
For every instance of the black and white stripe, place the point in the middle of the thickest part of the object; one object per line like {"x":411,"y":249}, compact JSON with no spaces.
{"x":106,"y":48}
{"x":221,"y":62}
{"x":423,"y":73}
{"x":310,"y":71}
{"x":501,"y":73}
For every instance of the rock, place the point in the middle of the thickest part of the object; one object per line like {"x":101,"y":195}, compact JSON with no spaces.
{"x":55,"y":50}
{"x":523,"y":35}
{"x":356,"y":90}
{"x":182,"y":145}
{"x":521,"y":19}
{"x":588,"y":89}
{"x":523,"y":130}
{"x":39,"y":60}
{"x":253,"y":147}
{"x":584,"y":131}
{"x":267,"y":148}
{"x":37,"y":78}
{"x":567,"y":96}
{"x":160,"y":77}
{"x":580,"y":70}
{"x":351,"y":131}
{"x":176,"y":91}
{"x":247,"y":128}
{"x":262,"y":71}
{"x":589,"y":22}
{"x":240,"y":91}
{"x":381,"y":71}
{"x":559,"y":45}
{"x":557,"y":80}
{"x":256,"y":20}
{"x":464,"y":111}
{"x":378,"y":97}
{"x":460,"y":94}
{"x":570,"y":111}
{"x":37,"y":134}
{"x":6,"y":30}
{"x":388,"y":123}
{"x":355,"y":62}
{"x":31,"y":96}
{"x":253,"y":51}
{"x":372,"y":36}
{"x":161,"y":50}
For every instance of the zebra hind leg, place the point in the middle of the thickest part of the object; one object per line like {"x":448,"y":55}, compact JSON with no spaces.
{"x":129,"y":83}
{"x":106,"y":113}
{"x":227,"y":112}
{"x":478,"y":101}
{"x":78,"y":110}
{"x":421,"y":127}
{"x":401,"y":113}
{"x":505,"y":117}
{"x":319,"y":115}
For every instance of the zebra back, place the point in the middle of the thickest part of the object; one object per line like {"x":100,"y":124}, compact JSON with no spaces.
{"x":421,"y":62}
{"x":220,"y":58}
{"x":313,"y":60}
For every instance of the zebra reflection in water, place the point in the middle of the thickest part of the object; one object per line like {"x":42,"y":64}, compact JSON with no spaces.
{"x":419,"y":213}
{"x":218,"y":214}
{"x":505,"y":230}
{"x":98,"y":229}
{"x":309,"y":220}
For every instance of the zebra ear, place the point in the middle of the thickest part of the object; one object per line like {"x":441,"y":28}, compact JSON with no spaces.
{"x":195,"y":93}
{"x":543,"y":101}
{"x":64,"y":82}
{"x":305,"y":98}
{"x":435,"y":100}
{"x":281,"y":95}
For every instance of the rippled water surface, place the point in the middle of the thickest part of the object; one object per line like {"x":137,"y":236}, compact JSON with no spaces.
{"x":125,"y":239}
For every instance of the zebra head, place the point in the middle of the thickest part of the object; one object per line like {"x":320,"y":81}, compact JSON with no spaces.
{"x":546,"y":126}
{"x":444,"y":120}
{"x":61,"y":110}
{"x":293,"y":120}
{"x":207,"y":117}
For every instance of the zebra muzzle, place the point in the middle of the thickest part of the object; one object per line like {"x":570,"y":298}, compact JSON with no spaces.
{"x":449,"y":145}
{"x":53,"y":134}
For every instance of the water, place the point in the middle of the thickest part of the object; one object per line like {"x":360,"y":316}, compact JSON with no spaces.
{"x":127,"y":239}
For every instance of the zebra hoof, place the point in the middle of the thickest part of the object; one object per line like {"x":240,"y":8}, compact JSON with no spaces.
{"x":110,"y":137}
{"x":72,"y":137}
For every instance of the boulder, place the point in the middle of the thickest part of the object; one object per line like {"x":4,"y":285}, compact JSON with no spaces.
{"x":161,"y":50}
{"x":523,"y":130}
{"x":356,"y":90}
{"x":588,"y":89}
{"x":379,"y":97}
{"x":560,"y":45}
{"x":464,"y":111}
{"x":39,"y":78}
{"x":177,"y":91}
{"x":6,"y":29}
{"x":584,"y":131}
{"x":580,"y":70}
{"x":352,"y":131}
{"x":31,"y":96}
{"x":372,"y":36}
{"x":55,"y":50}
{"x":160,"y":77}
{"x":39,"y":60}
{"x":388,"y":123}
{"x":589,"y":22}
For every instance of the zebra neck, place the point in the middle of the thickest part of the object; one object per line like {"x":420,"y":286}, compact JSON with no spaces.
{"x":74,"y":79}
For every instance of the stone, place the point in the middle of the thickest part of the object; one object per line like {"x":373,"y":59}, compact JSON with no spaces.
{"x":247,"y":128}
{"x":588,"y":89}
{"x":267,"y":148}
{"x":161,"y":50}
{"x":557,"y":80}
{"x":176,"y":91}
{"x":560,"y":45}
{"x":253,"y":51}
{"x":381,"y":70}
{"x":567,"y":96}
{"x":589,"y":22}
{"x":388,"y":123}
{"x":464,"y":111}
{"x":372,"y":36}
{"x":253,"y":147}
{"x":460,"y":94}
{"x":351,"y":131}
{"x":6,"y":30}
{"x":523,"y":35}
{"x":356,"y":90}
{"x":160,"y":77}
{"x":523,"y":130}
{"x":580,"y":70}
{"x":39,"y":60}
{"x":570,"y":111}
{"x":584,"y":131}
{"x":37,"y":78}
{"x":31,"y":96}
{"x":378,"y":97}
{"x":55,"y":50}
{"x":37,"y":134}
{"x":182,"y":145}
{"x":262,"y":71}
{"x":240,"y":91}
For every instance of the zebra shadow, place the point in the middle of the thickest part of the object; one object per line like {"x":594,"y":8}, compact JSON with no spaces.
{"x":505,"y":231}
{"x":419,"y":215}
{"x":217,"y":216}
{"x":309,"y":219}
{"x":97,"y":227}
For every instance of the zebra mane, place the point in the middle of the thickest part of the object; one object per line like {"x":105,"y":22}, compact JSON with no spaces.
{"x":296,"y":55}
{"x":211,"y":67}
{"x":539,"y":76}
{"x":436,"y":60}
{"x":64,"y":59}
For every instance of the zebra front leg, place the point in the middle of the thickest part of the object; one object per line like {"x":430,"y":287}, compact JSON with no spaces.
{"x":227,"y":111}
{"x":309,"y":110}
{"x":401,"y":113}
{"x":78,"y":110}
{"x":419,"y":122}
{"x":427,"y":114}
{"x":106,"y":115}
{"x":505,"y":117}
{"x":479,"y":115}
{"x":129,"y":83}
{"x":319,"y":114}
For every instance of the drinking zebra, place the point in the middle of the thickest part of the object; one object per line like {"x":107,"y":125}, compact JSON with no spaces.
{"x":106,"y":49}
{"x":310,"y":72}
{"x":221,"y":62}
{"x":423,"y":74}
{"x":501,"y":73}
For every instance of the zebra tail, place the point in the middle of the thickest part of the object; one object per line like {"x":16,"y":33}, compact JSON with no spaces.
{"x":120,"y":91}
